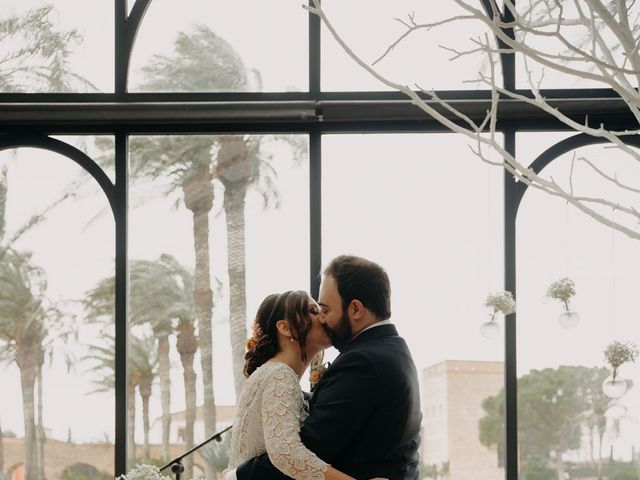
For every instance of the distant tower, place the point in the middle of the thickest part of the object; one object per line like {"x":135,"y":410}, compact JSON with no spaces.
{"x":452,"y":397}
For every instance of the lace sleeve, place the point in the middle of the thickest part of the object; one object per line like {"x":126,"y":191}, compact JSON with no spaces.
{"x":281,"y":416}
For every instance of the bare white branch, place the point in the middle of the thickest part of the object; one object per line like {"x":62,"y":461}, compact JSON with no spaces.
{"x":614,"y":64}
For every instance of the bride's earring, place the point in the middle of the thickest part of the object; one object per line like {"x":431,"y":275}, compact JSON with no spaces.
{"x":291,"y":339}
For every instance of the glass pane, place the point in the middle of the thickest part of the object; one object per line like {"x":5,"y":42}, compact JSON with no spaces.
{"x":572,"y":46}
{"x":424,"y":58}
{"x":46,"y":268}
{"x":431,"y":217}
{"x":61,"y":46}
{"x":568,"y":426}
{"x":101,"y":148}
{"x":226,"y":214}
{"x":198,"y":45}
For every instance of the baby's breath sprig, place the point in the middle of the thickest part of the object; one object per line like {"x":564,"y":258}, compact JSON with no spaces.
{"x":144,"y":472}
{"x":502,"y":302}
{"x":618,"y":353}
{"x":562,"y":290}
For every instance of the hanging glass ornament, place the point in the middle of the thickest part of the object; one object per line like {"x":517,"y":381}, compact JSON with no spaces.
{"x":490,"y":329}
{"x":614,"y":387}
{"x":569,"y":319}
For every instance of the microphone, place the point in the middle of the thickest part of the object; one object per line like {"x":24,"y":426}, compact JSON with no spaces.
{"x":176,"y":464}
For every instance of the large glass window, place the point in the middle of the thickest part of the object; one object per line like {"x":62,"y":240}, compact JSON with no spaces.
{"x":54,"y":247}
{"x":221,"y":47}
{"x":427,"y":58}
{"x":216,"y":221}
{"x":402,"y":201}
{"x":228,"y":215}
{"x":567,"y":423}
{"x":53,"y":47}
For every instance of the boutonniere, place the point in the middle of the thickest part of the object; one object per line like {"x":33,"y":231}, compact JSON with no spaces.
{"x":316,"y":373}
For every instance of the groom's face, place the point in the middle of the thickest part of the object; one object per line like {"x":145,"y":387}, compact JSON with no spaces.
{"x":335,"y":319}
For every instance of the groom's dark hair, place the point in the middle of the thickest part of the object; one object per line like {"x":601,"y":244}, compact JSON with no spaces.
{"x":361,"y":279}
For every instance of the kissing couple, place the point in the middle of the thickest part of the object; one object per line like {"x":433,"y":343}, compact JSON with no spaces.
{"x":362,"y":419}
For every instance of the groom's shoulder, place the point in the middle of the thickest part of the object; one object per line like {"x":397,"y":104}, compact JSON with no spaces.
{"x":385,"y":349}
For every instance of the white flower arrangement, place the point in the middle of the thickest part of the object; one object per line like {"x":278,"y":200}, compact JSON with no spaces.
{"x":144,"y":472}
{"x":618,"y":353}
{"x":562,"y":290}
{"x":502,"y":302}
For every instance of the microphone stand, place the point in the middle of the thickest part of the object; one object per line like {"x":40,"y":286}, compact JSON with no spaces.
{"x":176,"y":464}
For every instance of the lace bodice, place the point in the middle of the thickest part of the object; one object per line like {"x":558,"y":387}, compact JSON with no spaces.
{"x":270,"y":411}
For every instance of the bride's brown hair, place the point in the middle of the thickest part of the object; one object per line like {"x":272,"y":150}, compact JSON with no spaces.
{"x":292,"y":306}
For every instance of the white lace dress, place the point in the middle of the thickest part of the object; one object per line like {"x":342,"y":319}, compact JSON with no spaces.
{"x":268,"y":419}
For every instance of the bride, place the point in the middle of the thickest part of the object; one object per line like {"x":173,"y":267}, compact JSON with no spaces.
{"x":286,"y":335}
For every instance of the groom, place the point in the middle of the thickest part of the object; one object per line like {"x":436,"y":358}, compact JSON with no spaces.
{"x":364,"y":415}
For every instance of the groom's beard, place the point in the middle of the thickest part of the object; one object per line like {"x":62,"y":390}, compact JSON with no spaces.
{"x":342,"y":333}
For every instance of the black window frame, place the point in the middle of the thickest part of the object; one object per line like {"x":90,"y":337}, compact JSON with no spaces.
{"x":28,"y":119}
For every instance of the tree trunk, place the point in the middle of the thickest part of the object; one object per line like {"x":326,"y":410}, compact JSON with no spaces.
{"x":131,"y":421}
{"x":145,"y":393}
{"x":40,"y":435}
{"x":187,"y":345}
{"x":1,"y":454}
{"x":600,"y":441}
{"x":198,"y":197}
{"x":234,"y":202}
{"x":27,"y":355}
{"x":559,"y":467}
{"x":165,"y":392}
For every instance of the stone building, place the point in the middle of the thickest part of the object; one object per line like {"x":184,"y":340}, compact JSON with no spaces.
{"x":452,"y":396}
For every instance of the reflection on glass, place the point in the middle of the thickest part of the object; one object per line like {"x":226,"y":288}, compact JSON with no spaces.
{"x":49,"y":256}
{"x":200,"y":45}
{"x":438,"y":234}
{"x":568,"y":426}
{"x":61,"y":46}
{"x":217,"y":223}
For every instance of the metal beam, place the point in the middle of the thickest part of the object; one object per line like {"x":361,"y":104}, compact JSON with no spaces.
{"x":203,"y":116}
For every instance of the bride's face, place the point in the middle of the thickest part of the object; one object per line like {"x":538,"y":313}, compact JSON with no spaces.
{"x":317,"y":338}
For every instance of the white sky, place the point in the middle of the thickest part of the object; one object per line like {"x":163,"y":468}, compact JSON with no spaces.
{"x":421,"y":205}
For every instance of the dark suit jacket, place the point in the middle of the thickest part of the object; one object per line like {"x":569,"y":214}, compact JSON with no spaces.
{"x":364,"y":414}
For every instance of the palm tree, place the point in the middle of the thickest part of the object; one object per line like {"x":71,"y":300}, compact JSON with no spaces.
{"x":203,"y":61}
{"x":191,"y":163}
{"x":161,"y":295}
{"x":1,"y":454}
{"x":29,"y":325}
{"x":145,"y":363}
{"x":142,"y":371}
{"x":41,"y":64}
{"x":239,"y":167}
{"x":22,"y":328}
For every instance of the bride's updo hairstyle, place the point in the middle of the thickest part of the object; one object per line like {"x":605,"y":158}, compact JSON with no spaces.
{"x":292,"y":306}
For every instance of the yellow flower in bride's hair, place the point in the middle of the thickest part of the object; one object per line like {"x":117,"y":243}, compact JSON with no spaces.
{"x":256,"y":329}
{"x":256,"y":333}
